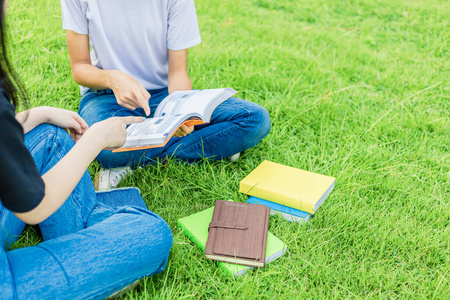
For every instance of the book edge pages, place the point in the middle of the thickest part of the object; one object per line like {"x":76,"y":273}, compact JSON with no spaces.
{"x":324,"y":196}
{"x":235,"y":260}
{"x":212,"y":111}
{"x":288,"y":200}
{"x":277,"y":207}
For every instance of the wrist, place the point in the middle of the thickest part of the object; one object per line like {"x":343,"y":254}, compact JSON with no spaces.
{"x":110,"y":79}
{"x":179,"y":81}
{"x":95,"y":138}
{"x":40,"y":114}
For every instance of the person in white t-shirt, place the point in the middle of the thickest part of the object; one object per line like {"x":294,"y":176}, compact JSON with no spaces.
{"x":138,"y":55}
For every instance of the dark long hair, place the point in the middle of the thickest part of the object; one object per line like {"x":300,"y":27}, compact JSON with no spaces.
{"x":9,"y":80}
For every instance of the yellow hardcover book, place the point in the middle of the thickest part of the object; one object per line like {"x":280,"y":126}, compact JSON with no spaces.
{"x":287,"y":186}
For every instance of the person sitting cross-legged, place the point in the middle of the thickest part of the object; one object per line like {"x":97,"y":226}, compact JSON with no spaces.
{"x":127,"y":56}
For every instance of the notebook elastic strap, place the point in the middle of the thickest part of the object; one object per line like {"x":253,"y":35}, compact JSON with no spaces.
{"x":225,"y":225}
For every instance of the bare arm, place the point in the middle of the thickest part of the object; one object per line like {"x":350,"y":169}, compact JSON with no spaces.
{"x":178,"y":79}
{"x":61,"y":179}
{"x":63,"y":118}
{"x":128,"y":91}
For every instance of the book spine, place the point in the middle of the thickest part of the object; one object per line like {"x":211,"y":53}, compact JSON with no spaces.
{"x":276,"y":197}
{"x":191,"y":236}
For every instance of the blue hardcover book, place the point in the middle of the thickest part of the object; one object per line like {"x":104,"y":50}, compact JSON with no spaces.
{"x":289,"y":213}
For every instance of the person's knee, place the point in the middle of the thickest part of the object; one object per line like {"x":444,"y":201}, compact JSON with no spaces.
{"x":260,"y":123}
{"x":264,"y":122}
{"x":61,"y":139}
{"x":159,"y":241}
{"x":56,"y":133}
{"x":48,"y":136}
{"x":158,"y":232}
{"x":166,"y":237}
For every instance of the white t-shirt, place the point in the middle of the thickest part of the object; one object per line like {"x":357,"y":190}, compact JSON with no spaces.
{"x":133,"y":36}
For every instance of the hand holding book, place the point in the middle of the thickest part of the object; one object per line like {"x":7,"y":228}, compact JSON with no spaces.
{"x":180,"y":108}
{"x":183,"y":130}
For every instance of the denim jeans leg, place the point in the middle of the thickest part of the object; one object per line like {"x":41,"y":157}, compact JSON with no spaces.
{"x":119,"y":247}
{"x":236,"y":125}
{"x":47,"y":145}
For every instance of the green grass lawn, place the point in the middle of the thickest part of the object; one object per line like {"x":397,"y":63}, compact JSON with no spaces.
{"x":358,"y":90}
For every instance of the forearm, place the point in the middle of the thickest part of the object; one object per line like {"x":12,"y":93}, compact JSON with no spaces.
{"x":61,"y":179}
{"x":87,"y":75}
{"x":31,"y":118}
{"x":179,"y":81}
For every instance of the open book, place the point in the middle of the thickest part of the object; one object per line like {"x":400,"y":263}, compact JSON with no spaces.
{"x":192,"y":107}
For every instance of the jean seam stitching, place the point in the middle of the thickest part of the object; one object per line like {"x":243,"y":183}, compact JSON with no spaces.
{"x":43,"y":136}
{"x":57,"y":261}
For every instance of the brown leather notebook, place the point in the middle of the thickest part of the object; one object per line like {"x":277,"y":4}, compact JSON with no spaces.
{"x":238,"y":233}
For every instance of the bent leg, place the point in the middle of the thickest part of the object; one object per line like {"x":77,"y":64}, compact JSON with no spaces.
{"x":47,"y":145}
{"x":128,"y":244}
{"x":236,"y":125}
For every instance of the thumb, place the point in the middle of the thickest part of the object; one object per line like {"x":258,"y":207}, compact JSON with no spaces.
{"x":74,"y":125}
{"x":81,"y":121}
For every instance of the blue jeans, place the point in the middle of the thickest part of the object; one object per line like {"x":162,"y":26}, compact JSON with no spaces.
{"x":95,"y":244}
{"x":236,"y":125}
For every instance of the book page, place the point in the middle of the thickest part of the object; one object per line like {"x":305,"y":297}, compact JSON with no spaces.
{"x":200,"y":103}
{"x":149,"y":126}
{"x":179,"y":107}
{"x":171,"y":104}
{"x":152,"y":131}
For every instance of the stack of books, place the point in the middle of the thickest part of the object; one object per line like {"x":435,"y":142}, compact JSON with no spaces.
{"x":293,"y":193}
{"x":235,"y":235}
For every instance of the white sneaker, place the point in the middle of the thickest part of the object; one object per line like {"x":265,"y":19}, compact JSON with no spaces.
{"x":110,"y":178}
{"x":234,"y":156}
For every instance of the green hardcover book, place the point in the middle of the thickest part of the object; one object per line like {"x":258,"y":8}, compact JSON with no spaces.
{"x":196,"y":229}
